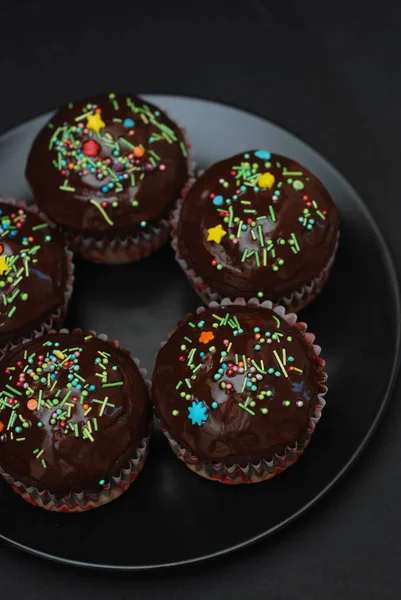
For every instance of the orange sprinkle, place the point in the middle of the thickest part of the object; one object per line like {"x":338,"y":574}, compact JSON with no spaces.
{"x":71,"y":166}
{"x":98,"y":110}
{"x":206,"y":337}
{"x":139,"y":151}
{"x":32,"y":404}
{"x":240,"y":364}
{"x":85,"y":406}
{"x":257,"y":336}
{"x":1,"y":426}
{"x":131,"y":132}
{"x":1,"y":248}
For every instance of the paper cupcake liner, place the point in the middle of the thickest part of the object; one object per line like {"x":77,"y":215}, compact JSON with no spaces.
{"x":131,"y":248}
{"x":120,"y":251}
{"x":265,"y":468}
{"x":81,"y":501}
{"x":84,"y":500}
{"x":296,"y":301}
{"x":56,"y":318}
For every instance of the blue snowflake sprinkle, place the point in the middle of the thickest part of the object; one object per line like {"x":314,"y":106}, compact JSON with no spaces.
{"x":263,"y":154}
{"x":197,"y":413}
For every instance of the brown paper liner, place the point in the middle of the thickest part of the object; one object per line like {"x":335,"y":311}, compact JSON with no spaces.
{"x":296,"y":301}
{"x":263,"y":469}
{"x":56,"y":318}
{"x":121,"y":251}
{"x":81,"y":501}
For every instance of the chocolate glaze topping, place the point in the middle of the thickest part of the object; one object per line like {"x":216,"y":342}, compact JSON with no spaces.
{"x":257,"y":224}
{"x":108,"y":166}
{"x":235,"y":383}
{"x":33,"y":268}
{"x":72,"y":411}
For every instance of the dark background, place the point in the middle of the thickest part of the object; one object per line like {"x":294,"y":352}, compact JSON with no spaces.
{"x":329,"y":74}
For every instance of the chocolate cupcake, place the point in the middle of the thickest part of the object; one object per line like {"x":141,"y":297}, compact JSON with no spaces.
{"x":74,"y":420}
{"x":36,"y":274}
{"x":238,"y":389}
{"x":257,"y":225}
{"x":108,"y":170}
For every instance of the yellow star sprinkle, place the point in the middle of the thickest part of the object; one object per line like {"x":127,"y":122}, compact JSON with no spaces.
{"x":215,"y":234}
{"x":266,"y":180}
{"x":4,"y":268}
{"x":95,"y":122}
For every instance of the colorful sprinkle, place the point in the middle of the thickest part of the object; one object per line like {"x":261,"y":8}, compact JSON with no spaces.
{"x":215,"y":234}
{"x":32,"y":404}
{"x":197,"y":413}
{"x":206,"y":337}
{"x":95,"y":122}
{"x":266,"y":180}
{"x":263,"y":154}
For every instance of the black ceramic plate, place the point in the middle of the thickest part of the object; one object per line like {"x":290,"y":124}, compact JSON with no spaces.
{"x":170,"y":515}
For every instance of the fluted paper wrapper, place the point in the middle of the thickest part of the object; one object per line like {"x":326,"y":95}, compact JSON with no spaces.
{"x":255,"y":472}
{"x":84,"y":500}
{"x":56,"y":319}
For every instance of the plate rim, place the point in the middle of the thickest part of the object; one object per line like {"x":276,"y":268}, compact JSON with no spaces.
{"x":387,"y":396}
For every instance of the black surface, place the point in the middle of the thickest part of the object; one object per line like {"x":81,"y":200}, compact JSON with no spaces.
{"x":138,"y":304}
{"x":329,"y":73}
